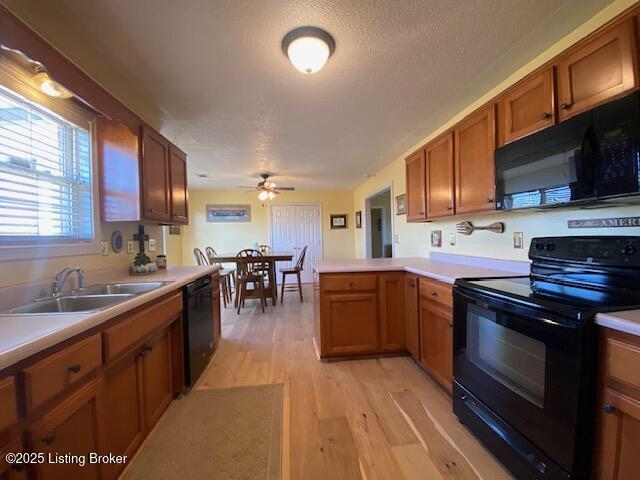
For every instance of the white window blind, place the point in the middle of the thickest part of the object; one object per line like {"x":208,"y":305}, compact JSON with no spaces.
{"x":45,"y":175}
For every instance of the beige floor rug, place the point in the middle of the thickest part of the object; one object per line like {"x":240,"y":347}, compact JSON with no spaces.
{"x":225,"y":434}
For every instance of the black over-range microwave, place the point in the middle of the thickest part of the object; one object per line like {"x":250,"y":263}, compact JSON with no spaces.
{"x":592,"y":156}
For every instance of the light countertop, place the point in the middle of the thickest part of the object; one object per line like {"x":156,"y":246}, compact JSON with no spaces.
{"x":442,"y":270}
{"x":628,"y":321}
{"x":24,"y":335}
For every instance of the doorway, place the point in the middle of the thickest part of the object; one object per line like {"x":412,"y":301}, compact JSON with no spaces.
{"x":291,"y":227}
{"x":379,"y":228}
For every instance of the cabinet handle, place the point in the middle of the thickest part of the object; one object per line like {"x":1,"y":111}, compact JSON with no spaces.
{"x":421,"y":212}
{"x":565,"y":106}
{"x":450,"y":207}
{"x":75,"y":368}
{"x":350,"y":284}
{"x":545,"y":115}
{"x":145,"y":350}
{"x":489,"y":200}
{"x":451,"y":323}
{"x":412,"y":283}
{"x":17,"y":467}
{"x":608,"y":408}
{"x":434,"y":293}
{"x":48,"y":438}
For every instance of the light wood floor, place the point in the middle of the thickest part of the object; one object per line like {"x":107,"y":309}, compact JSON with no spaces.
{"x":370,"y":419}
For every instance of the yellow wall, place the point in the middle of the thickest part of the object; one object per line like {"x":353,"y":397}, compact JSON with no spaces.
{"x":414,"y":238}
{"x":232,"y":237}
{"x":24,"y":271}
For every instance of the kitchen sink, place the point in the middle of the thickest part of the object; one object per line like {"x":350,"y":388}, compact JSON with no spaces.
{"x":70,"y":304}
{"x":134,"y":288}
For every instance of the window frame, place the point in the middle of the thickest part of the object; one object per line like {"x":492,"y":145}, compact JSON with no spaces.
{"x":16,"y":79}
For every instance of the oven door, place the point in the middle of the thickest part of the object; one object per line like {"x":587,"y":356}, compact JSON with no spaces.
{"x":523,"y":367}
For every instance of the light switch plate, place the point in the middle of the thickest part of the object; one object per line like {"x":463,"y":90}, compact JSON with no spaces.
{"x":104,"y":248}
{"x":152,"y":244}
{"x":130,"y":246}
{"x":452,"y":239}
{"x":396,"y":238}
{"x":518,"y":240}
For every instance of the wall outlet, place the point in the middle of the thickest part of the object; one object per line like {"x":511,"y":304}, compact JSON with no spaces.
{"x":130,"y":248}
{"x":518,"y":240}
{"x":396,"y":238}
{"x":104,"y":248}
{"x":152,"y":244}
{"x":452,"y":239}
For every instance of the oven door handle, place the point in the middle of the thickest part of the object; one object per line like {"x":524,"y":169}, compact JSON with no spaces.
{"x":513,"y":442}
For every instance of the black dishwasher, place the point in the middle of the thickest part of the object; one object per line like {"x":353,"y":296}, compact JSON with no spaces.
{"x":198,"y":328}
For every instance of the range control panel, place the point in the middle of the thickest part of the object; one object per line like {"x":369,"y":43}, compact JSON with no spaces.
{"x":597,"y":250}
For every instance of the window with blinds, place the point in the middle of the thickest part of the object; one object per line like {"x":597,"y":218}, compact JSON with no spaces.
{"x":45,"y":175}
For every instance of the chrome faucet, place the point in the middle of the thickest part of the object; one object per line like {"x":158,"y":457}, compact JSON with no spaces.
{"x":61,"y":278}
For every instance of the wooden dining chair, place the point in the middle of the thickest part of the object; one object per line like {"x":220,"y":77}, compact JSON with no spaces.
{"x":201,"y":259}
{"x":227,"y":276}
{"x":250,"y":271}
{"x":297,"y":270}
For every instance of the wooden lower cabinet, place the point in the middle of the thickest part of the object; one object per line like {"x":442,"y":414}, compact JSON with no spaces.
{"x":618,"y":435}
{"x":125,"y":429}
{"x":436,"y":341}
{"x":12,"y":471}
{"x":411,"y":314}
{"x":392,"y":315}
{"x":157,"y":389}
{"x":217,"y":315}
{"x":349,"y":323}
{"x":73,"y":427}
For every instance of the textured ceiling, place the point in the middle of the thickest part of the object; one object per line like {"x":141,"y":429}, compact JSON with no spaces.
{"x":227,"y":95}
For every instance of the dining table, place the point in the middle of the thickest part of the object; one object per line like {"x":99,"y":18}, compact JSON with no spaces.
{"x":270,"y":259}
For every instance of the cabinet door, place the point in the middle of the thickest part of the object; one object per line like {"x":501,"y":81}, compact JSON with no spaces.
{"x":157,"y":389}
{"x":528,"y":107}
{"x":597,"y":71}
{"x":439,"y":176}
{"x":416,"y":185}
{"x":412,"y":320}
{"x":124,"y":427}
{"x":620,"y":437}
{"x":392,"y":329}
{"x":178,"y":182}
{"x":72,"y":427}
{"x":475,"y":140}
{"x":12,"y":471}
{"x":155,"y":177}
{"x":349,"y":323}
{"x":436,"y":341}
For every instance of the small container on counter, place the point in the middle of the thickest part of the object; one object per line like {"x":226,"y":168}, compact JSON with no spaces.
{"x":161,"y":261}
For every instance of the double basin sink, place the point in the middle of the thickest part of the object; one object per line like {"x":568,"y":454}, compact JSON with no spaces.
{"x":90,"y":299}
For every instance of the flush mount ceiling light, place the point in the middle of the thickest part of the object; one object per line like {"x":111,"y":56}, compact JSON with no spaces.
{"x":308,"y":48}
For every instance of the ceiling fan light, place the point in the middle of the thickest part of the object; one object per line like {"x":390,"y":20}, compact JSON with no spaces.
{"x":308,"y":48}
{"x":263,"y":195}
{"x":271,"y":195}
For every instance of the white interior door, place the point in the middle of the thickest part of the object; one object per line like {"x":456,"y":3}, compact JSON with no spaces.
{"x":292,"y":227}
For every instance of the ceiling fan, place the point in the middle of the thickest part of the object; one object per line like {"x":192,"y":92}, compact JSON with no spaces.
{"x":267,"y":189}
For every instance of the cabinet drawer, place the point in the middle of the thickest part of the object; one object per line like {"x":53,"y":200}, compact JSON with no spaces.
{"x":621,"y":361}
{"x":53,"y":374}
{"x":11,"y":471}
{"x":133,"y":329}
{"x":8,"y":412}
{"x":350,"y":282}
{"x":437,"y":291}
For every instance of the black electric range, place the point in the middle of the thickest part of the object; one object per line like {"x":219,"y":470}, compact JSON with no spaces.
{"x":525,"y":351}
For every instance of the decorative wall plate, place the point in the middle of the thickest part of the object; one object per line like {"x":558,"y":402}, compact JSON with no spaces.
{"x":117,"y":242}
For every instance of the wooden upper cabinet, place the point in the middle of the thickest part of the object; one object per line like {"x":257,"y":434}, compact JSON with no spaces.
{"x":178,"y":182}
{"x":527,"y":107}
{"x":156,"y":202}
{"x":119,"y":170}
{"x":598,"y":70}
{"x":475,"y":141}
{"x":416,"y":186}
{"x":439,"y":176}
